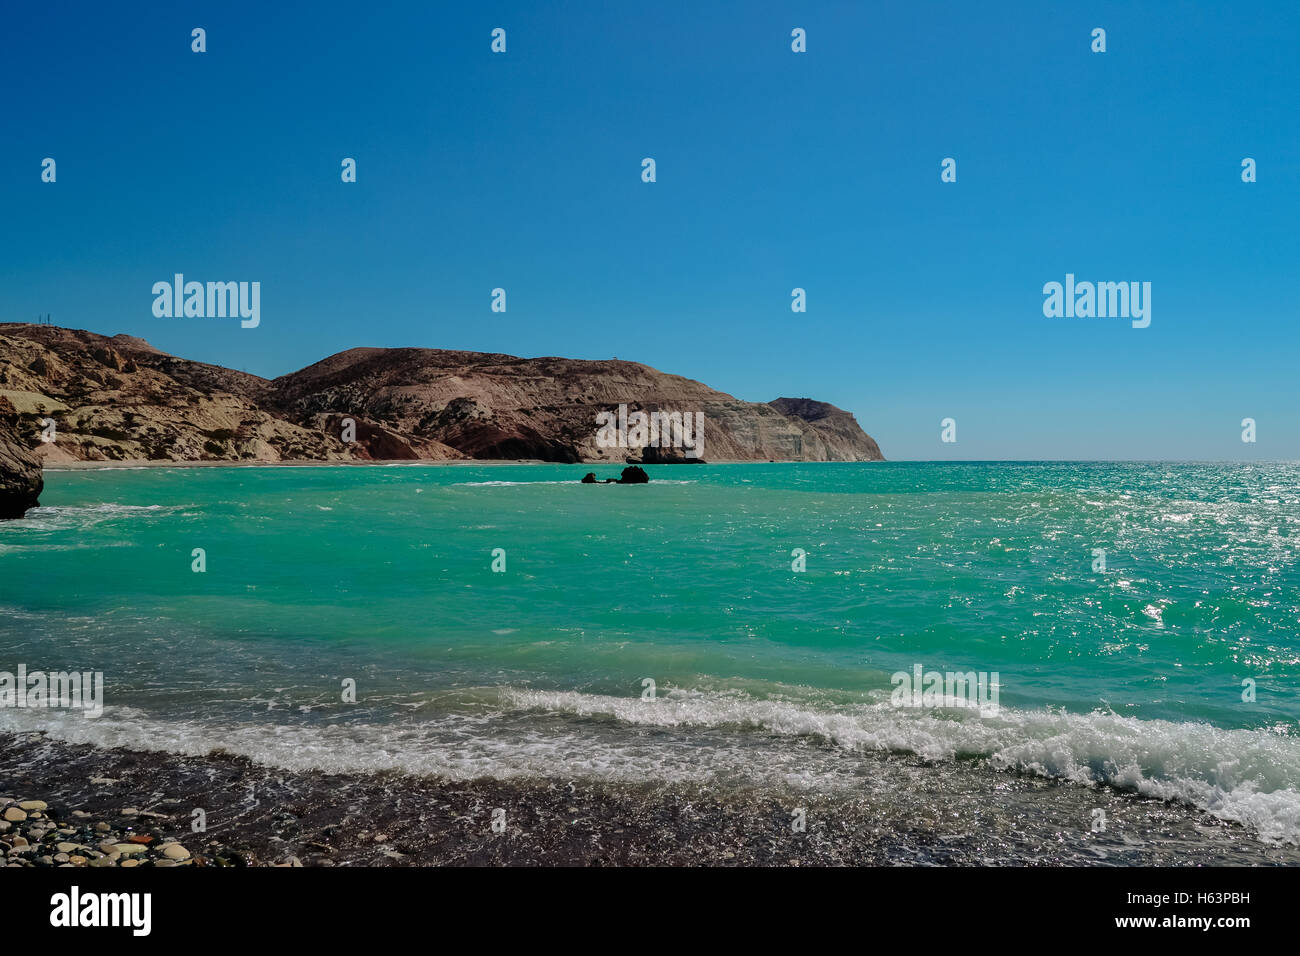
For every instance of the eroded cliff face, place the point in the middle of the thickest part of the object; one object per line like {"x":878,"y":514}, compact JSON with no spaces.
{"x":500,"y":406}
{"x":21,"y":479}
{"x":119,"y":399}
{"x":839,"y":431}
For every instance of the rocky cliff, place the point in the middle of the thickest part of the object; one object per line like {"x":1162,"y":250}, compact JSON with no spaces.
{"x":499,"y":406}
{"x":838,"y":429}
{"x":20,"y":469}
{"x":118,"y":398}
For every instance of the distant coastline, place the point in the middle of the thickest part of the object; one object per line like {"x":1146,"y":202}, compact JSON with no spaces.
{"x":80,"y":396}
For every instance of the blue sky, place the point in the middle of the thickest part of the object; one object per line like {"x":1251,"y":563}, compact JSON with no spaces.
{"x":775,"y":170}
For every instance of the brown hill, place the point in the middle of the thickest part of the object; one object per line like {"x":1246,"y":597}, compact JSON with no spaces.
{"x":500,"y":406}
{"x":119,"y":399}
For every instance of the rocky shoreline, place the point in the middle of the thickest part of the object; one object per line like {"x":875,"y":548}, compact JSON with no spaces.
{"x":95,"y":803}
{"x":31,"y":834}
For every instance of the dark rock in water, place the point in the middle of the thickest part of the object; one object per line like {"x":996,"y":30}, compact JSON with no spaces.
{"x":665,"y":456}
{"x":631,"y":476}
{"x":21,"y":478}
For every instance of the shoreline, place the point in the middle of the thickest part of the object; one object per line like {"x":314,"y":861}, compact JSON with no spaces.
{"x":258,"y":815}
{"x":393,"y":462}
{"x":142,"y":464}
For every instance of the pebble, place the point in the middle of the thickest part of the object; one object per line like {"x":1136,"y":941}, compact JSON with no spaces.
{"x":34,"y":837}
{"x":174,"y":851}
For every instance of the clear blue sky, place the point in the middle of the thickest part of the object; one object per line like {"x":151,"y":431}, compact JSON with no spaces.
{"x":775,"y":170}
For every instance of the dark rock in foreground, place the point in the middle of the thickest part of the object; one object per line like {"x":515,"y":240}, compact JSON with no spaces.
{"x":21,"y":478}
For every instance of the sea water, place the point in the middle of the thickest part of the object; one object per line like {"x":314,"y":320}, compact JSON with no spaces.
{"x":727,"y":625}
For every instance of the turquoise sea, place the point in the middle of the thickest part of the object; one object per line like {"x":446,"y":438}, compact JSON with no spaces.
{"x":1137,"y":678}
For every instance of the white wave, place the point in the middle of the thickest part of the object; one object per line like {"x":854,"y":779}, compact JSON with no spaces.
{"x":1251,"y":777}
{"x":80,"y":517}
{"x":509,"y":484}
{"x":567,"y":481}
{"x":105,"y":508}
{"x":452,"y":747}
